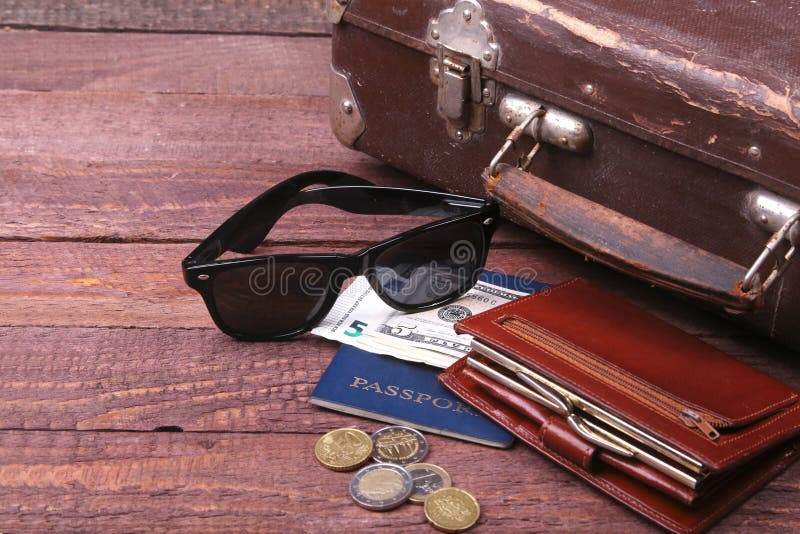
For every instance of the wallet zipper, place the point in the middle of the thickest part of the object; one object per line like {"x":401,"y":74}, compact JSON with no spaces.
{"x":664,"y":404}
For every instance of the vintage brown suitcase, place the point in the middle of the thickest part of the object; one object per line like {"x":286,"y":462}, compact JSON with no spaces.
{"x":669,"y":135}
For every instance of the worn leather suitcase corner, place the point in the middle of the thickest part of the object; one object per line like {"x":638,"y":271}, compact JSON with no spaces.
{"x":662,"y":142}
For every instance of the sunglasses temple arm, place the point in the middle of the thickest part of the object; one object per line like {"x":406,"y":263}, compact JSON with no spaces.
{"x":248,"y":227}
{"x":359,"y":200}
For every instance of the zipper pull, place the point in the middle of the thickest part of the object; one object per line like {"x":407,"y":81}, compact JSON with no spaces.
{"x":693,"y":420}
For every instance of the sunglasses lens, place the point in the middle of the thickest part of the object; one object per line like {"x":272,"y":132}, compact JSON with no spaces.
{"x":433,"y":266}
{"x":270,"y":299}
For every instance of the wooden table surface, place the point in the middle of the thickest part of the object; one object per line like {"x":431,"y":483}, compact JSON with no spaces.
{"x":122,"y":408}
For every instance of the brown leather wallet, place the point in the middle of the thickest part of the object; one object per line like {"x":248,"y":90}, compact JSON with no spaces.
{"x":664,"y":423}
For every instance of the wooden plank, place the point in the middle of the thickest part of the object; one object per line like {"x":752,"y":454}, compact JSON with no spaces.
{"x":191,"y":129}
{"x":140,"y":285}
{"x":45,"y":199}
{"x":127,"y":167}
{"x":144,"y":379}
{"x":200,"y":482}
{"x":207,"y":16}
{"x":164,"y":63}
{"x":195,"y":379}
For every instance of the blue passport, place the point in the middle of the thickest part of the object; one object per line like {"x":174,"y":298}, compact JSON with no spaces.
{"x":400,"y":392}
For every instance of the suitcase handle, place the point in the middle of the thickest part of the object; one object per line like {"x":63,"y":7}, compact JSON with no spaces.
{"x":625,"y":244}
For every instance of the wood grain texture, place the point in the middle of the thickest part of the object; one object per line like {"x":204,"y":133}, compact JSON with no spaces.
{"x":200,"y":482}
{"x":209,"y":16}
{"x":157,"y":201}
{"x":164,"y":63}
{"x":130,"y":285}
{"x":141,"y":285}
{"x":191,"y":129}
{"x":196,"y":379}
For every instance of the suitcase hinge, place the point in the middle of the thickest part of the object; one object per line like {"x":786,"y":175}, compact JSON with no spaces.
{"x":465,"y":48}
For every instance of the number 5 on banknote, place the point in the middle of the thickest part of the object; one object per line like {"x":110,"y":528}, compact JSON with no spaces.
{"x":355,"y":329}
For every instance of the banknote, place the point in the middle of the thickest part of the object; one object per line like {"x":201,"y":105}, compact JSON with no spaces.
{"x":360,"y":318}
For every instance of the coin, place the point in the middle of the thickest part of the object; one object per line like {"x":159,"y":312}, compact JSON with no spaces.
{"x":427,"y":479}
{"x":381,"y":486}
{"x":398,"y":445}
{"x":452,"y":510}
{"x":343,"y":449}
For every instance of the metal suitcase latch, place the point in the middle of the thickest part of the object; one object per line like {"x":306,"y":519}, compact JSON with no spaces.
{"x":782,"y":217}
{"x":545,"y":125}
{"x":465,"y":48}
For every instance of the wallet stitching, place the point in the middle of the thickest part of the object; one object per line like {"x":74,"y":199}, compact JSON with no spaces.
{"x":734,"y":438}
{"x":599,"y":396}
{"x":545,"y":428}
{"x":637,"y":380}
{"x":756,"y":444}
{"x":481,"y":403}
{"x":541,"y":293}
{"x":758,"y":482}
{"x":610,"y":384}
{"x":789,"y":410}
{"x":609,"y":488}
{"x":612,"y":490}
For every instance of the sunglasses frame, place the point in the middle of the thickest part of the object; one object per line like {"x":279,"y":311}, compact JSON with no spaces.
{"x":248,"y":227}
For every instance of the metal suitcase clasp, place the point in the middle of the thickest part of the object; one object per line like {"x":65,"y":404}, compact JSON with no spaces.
{"x":465,"y":48}
{"x":545,"y":125}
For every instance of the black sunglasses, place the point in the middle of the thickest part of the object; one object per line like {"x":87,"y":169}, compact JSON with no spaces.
{"x":279,"y":296}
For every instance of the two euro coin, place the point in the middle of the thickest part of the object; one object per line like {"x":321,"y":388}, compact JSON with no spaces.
{"x":399,"y":445}
{"x":381,"y":487}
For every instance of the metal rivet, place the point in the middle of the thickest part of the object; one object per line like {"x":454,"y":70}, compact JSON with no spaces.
{"x":435,"y":34}
{"x":509,"y":118}
{"x":467,"y":15}
{"x":203,"y":277}
{"x":587,"y":89}
{"x":487,"y":94}
{"x":460,"y":135}
{"x":436,"y":71}
{"x":488,"y":221}
{"x":347,"y":107}
{"x":487,"y":55}
{"x":563,"y":140}
{"x":754,"y":152}
{"x":764,"y":219}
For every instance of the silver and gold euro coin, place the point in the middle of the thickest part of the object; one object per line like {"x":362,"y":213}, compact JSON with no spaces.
{"x":399,"y":445}
{"x":381,"y":487}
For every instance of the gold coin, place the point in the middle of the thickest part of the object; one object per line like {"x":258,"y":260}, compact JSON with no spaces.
{"x":343,"y":449}
{"x":427,"y":479}
{"x":452,"y":510}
